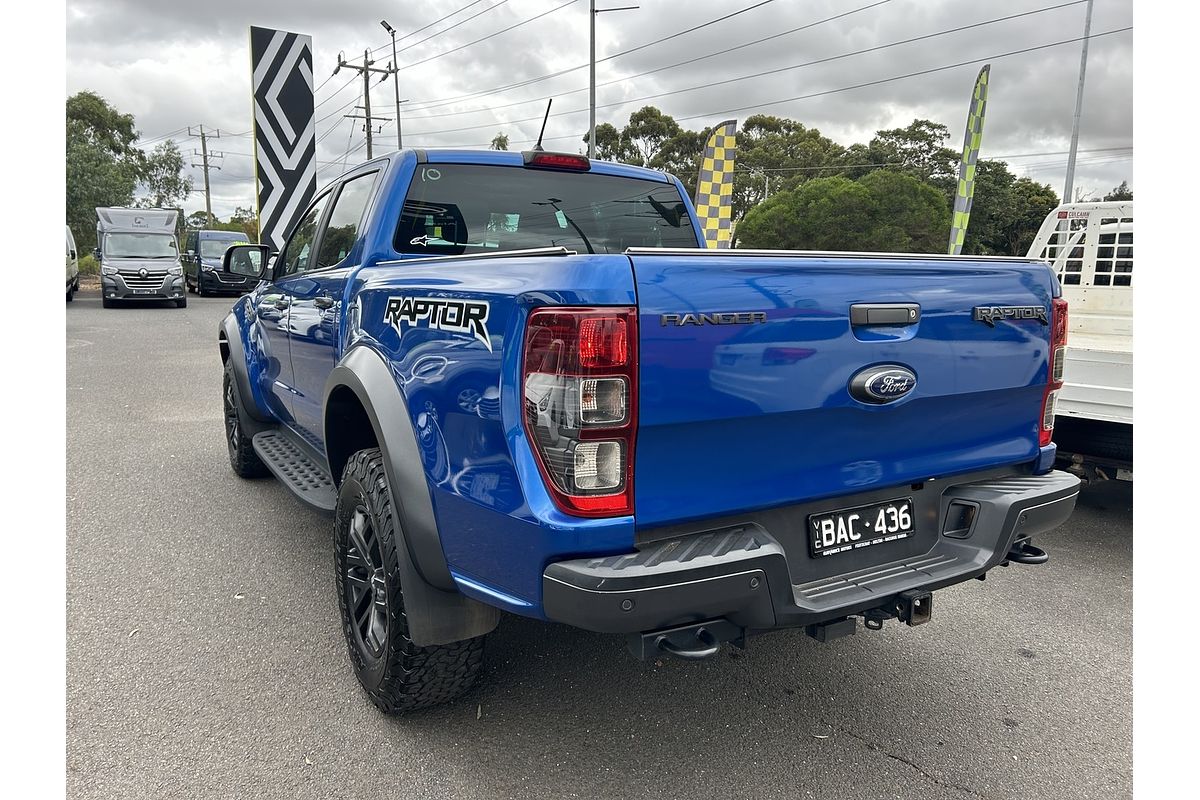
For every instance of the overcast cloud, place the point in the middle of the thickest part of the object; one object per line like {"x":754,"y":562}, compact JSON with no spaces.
{"x":177,"y":64}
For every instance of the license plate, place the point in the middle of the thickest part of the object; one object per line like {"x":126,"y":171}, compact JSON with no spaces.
{"x":144,"y":291}
{"x":863,"y":526}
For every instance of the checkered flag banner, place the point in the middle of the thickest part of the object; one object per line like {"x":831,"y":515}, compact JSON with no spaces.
{"x":714,"y":190}
{"x":284,"y":145}
{"x":966,"y":170}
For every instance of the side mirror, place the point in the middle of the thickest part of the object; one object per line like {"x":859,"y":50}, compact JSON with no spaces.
{"x":246,"y":260}
{"x":73,"y":255}
{"x":96,"y":252}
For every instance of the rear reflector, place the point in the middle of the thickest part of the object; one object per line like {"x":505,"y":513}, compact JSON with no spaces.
{"x":544,"y":160}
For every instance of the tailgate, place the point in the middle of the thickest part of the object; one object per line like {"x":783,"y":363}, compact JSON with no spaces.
{"x":746,"y":362}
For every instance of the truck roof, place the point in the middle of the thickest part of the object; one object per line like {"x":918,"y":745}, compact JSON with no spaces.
{"x":142,"y":220}
{"x":211,"y":234}
{"x":514,"y":158}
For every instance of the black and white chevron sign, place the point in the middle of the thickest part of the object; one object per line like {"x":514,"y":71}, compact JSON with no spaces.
{"x":285,"y":147}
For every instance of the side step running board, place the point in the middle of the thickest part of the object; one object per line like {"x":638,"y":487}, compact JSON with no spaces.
{"x":307,"y":479}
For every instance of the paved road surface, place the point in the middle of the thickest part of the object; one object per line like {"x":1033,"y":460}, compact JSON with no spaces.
{"x":205,"y":658}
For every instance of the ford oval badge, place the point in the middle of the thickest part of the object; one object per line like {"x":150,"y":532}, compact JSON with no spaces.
{"x":885,"y":383}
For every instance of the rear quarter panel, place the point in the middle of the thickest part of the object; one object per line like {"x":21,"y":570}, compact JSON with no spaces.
{"x":497,"y":523}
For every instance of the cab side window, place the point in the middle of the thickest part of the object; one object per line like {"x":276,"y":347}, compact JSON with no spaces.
{"x":297,"y":255}
{"x":345,"y":219}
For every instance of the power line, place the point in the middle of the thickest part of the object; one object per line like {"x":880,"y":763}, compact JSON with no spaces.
{"x":528,"y":81}
{"x":840,"y":89}
{"x":443,"y":31}
{"x":625,"y":78}
{"x":493,"y":35}
{"x":911,"y":74}
{"x":759,"y":74}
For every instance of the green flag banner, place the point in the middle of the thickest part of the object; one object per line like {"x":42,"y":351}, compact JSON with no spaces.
{"x":966,"y":170}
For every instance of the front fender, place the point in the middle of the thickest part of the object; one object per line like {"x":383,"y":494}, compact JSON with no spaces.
{"x":232,"y":337}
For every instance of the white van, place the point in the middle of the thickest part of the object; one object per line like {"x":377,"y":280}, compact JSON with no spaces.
{"x":72,"y":266}
{"x":1090,"y":246}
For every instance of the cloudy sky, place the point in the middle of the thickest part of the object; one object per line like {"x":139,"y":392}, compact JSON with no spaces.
{"x":174,"y":65}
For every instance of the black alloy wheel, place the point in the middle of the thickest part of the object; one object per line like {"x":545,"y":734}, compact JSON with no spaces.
{"x":365,"y":586}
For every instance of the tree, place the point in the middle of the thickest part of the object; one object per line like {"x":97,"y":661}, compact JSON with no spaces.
{"x":920,"y":149}
{"x":611,"y":146}
{"x":162,"y":176}
{"x":680,"y":156}
{"x":1031,"y":203}
{"x":196,"y":219}
{"x":500,"y":141}
{"x":884,"y":210}
{"x":91,"y":119}
{"x":102,"y":165}
{"x":639,"y":141}
{"x":1122,"y":192}
{"x":247,"y":221}
{"x":786,"y":150}
{"x":648,"y":128}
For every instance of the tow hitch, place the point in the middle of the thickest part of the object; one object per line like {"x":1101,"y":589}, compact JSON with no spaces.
{"x":911,"y":607}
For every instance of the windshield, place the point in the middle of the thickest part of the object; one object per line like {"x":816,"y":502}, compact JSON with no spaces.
{"x":139,"y":245}
{"x":215,"y":248}
{"x":465,"y":208}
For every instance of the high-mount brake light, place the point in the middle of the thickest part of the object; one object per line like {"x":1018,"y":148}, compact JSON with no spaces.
{"x":1058,"y":357}
{"x":579,"y":391}
{"x":542,"y":159}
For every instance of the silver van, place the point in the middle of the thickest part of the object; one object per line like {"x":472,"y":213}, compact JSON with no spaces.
{"x":139,"y":257}
{"x":72,"y":266}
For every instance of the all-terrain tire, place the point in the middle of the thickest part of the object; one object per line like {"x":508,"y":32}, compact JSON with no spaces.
{"x":71,"y":292}
{"x":107,"y":303}
{"x":397,"y":674}
{"x":181,"y":302}
{"x":238,"y":431}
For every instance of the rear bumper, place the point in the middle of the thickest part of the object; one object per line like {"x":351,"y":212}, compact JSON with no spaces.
{"x":740,"y":572}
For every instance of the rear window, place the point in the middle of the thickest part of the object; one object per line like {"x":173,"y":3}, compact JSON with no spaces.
{"x":452,"y":209}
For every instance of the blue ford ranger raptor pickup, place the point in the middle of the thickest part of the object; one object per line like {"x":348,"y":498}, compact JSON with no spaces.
{"x":519,"y":383}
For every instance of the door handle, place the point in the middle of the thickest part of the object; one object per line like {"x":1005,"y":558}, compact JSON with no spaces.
{"x":885,"y":314}
{"x":324,"y":302}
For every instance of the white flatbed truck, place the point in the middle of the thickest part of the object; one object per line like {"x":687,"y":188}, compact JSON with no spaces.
{"x":1090,"y":246}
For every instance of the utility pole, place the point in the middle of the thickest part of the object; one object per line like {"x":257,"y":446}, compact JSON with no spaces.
{"x":366,"y":69}
{"x":395,"y":68}
{"x":592,"y":72}
{"x":1087,"y":32}
{"x":204,"y":154}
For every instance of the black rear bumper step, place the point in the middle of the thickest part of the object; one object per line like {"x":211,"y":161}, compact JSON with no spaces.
{"x":741,"y":573}
{"x":299,"y":472}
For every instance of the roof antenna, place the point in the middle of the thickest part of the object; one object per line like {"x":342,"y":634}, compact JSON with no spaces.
{"x":538,"y":147}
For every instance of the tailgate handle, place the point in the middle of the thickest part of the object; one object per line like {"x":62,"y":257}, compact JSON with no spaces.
{"x":885,"y":314}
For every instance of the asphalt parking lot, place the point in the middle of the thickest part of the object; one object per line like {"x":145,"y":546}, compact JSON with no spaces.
{"x":205,"y":657}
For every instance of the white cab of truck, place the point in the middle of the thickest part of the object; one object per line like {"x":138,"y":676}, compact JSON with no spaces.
{"x":1090,"y":246}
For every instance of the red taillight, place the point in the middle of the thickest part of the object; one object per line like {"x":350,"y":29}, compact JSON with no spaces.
{"x":579,"y":391}
{"x":603,"y":342}
{"x":1054,"y":379}
{"x":538,"y":158}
